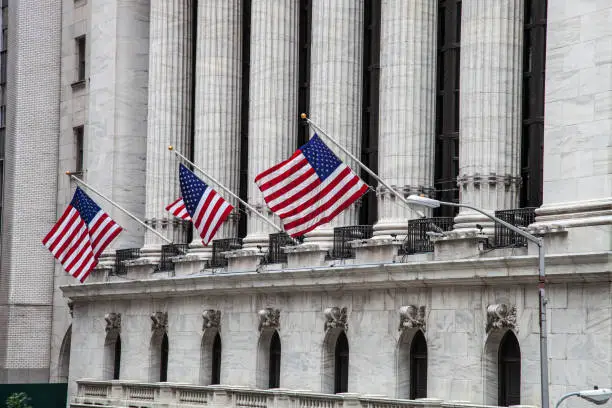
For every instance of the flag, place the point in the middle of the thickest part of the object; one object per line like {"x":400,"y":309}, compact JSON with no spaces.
{"x":310,"y":188}
{"x":80,"y":235}
{"x":207,"y":209}
{"x":178,"y":209}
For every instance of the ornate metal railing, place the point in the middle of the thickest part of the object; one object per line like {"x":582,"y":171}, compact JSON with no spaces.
{"x":275,"y":243}
{"x":342,"y":237}
{"x":417,"y":241}
{"x":167,"y":253}
{"x":520,"y":217}
{"x":220,"y":246}
{"x":125,"y":255}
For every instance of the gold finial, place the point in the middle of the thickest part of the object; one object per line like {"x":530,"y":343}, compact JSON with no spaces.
{"x":67,"y":172}
{"x":303,"y":116}
{"x":170,"y":147}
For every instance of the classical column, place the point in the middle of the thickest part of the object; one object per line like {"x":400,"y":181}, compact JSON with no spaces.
{"x":407,"y":108}
{"x":218,"y":103}
{"x":336,"y":72}
{"x":169,"y":119}
{"x":273,"y":111}
{"x":490,"y":114}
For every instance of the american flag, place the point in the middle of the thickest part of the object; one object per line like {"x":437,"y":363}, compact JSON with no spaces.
{"x":178,"y":209}
{"x":310,"y":188}
{"x":80,"y":235}
{"x":207,"y":209}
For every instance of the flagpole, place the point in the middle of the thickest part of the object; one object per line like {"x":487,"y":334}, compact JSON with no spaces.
{"x":363,"y":166}
{"x":78,"y":180}
{"x":228,"y":191}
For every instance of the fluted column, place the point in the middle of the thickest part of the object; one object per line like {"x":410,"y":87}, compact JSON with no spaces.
{"x":490,"y":114}
{"x":169,"y":116}
{"x":336,"y":73}
{"x":218,"y":102}
{"x":407,"y":108}
{"x":273,"y":110}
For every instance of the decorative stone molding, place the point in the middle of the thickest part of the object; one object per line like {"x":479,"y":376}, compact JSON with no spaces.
{"x":71,"y":308}
{"x":159,"y":321}
{"x":412,"y":317}
{"x":211,"y":318}
{"x":336,"y":318}
{"x":113,"y":322}
{"x":500,"y":316}
{"x":269,"y":318}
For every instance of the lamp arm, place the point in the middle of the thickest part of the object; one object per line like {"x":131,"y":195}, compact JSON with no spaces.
{"x":566,"y":396}
{"x":532,"y":238}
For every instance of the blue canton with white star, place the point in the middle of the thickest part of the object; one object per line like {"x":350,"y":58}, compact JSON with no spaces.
{"x":320,"y":157}
{"x":192,"y":189}
{"x":84,"y":205}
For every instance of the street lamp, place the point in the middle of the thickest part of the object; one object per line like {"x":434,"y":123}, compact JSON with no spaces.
{"x":432,"y":203}
{"x":596,"y":396}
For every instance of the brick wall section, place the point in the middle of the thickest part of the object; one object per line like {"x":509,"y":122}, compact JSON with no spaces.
{"x":31,"y":176}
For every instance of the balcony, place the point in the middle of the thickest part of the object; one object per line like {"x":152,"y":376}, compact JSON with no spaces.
{"x":125,"y":255}
{"x":106,"y":394}
{"x":343,"y":235}
{"x":167,"y":253}
{"x":417,"y":241}
{"x":520,"y":217}
{"x":275,"y":244}
{"x":220,"y":246}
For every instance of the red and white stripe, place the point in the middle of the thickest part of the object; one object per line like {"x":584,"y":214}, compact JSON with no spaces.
{"x":211,"y":212}
{"x":77,"y":245}
{"x":293,"y":190}
{"x":178,"y":209}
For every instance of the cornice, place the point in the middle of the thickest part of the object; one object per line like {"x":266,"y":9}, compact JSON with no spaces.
{"x":582,"y":267}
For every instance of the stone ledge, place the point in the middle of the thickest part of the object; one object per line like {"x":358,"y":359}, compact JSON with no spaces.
{"x":305,"y":255}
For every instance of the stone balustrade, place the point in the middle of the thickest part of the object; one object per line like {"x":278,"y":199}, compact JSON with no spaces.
{"x":118,"y":394}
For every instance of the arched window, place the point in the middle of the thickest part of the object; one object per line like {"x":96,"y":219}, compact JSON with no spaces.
{"x":112,"y":355}
{"x":215,"y":377}
{"x":341,"y":364}
{"x":117,"y":365}
{"x":418,"y":366}
{"x":275,"y":360}
{"x":509,"y":364}
{"x":64,"y":365}
{"x":163,"y":366}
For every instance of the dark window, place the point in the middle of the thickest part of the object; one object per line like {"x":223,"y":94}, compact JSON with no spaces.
{"x":117,"y":363}
{"x":275,"y":360}
{"x":341,"y":366}
{"x":447,"y":106}
{"x":418,"y":366}
{"x":532,"y":138}
{"x":216,"y":360}
{"x":371,"y":86}
{"x":81,"y":57}
{"x":78,"y":141}
{"x":244,"y":117}
{"x":163,"y":366}
{"x":304,"y":69}
{"x":509,"y":371}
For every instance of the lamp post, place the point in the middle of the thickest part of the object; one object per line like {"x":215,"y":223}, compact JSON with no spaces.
{"x":596,"y":396}
{"x":431,"y":203}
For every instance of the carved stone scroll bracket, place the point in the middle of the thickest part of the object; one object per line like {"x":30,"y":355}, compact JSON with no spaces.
{"x":159,"y":321}
{"x":269,"y":318}
{"x":71,"y":308}
{"x":336,"y":318}
{"x":412,"y":317}
{"x":501,"y":316}
{"x":113,"y":322}
{"x":211,"y":318}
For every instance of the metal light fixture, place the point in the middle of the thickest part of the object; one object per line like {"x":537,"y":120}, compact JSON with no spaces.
{"x":596,"y":396}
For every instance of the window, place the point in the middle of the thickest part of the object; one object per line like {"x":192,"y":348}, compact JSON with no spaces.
{"x":341,"y":364}
{"x":418,"y":366}
{"x":64,"y":358}
{"x":81,"y":57}
{"x":215,"y":377}
{"x":117,"y":363}
{"x":532,"y":138}
{"x":112,"y":355}
{"x":447,"y":106}
{"x":304,"y":69}
{"x":163,"y":366}
{"x":275,"y":359}
{"x":244,"y":116}
{"x":78,"y":141}
{"x":158,"y":363}
{"x":509,"y":364}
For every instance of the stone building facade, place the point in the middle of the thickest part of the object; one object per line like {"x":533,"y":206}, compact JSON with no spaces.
{"x":505,"y":105}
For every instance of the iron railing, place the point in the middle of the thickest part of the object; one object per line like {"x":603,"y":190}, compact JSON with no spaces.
{"x":125,"y":255}
{"x":417,"y":241}
{"x":223,"y":245}
{"x":275,"y":243}
{"x":342,"y":237}
{"x":520,"y":217}
{"x":167,"y":253}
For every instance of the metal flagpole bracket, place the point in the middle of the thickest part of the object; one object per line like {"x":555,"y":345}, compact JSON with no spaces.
{"x":78,"y":180}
